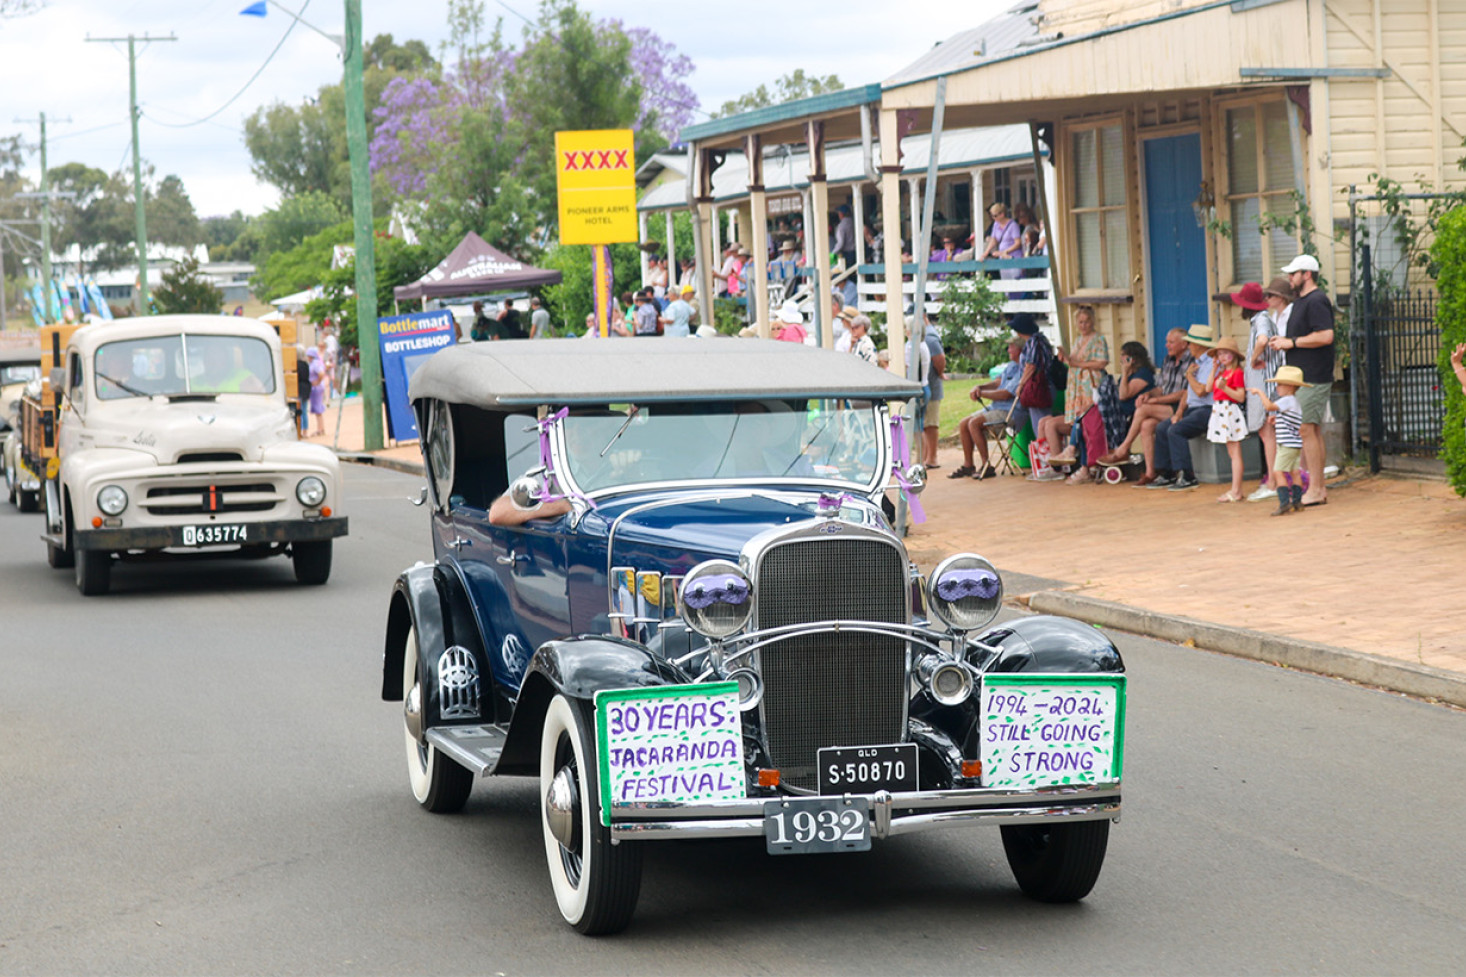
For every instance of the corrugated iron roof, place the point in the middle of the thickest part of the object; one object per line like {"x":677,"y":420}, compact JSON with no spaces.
{"x":1000,"y":36}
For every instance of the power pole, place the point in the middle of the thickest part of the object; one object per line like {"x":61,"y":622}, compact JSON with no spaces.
{"x":45,"y":196}
{"x":137,"y":160}
{"x":367,"y":337}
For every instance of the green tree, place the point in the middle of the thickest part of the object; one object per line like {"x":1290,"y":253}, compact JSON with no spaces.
{"x":793,"y":86}
{"x":574,"y":298}
{"x":185,"y":289}
{"x":171,"y":217}
{"x":302,"y":148}
{"x":1448,"y":254}
{"x":398,"y":263}
{"x":296,"y":218}
{"x":571,"y":74}
{"x":301,"y":267}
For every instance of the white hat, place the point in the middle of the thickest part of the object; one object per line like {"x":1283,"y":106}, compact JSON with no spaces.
{"x":1304,"y":262}
{"x":789,"y":312}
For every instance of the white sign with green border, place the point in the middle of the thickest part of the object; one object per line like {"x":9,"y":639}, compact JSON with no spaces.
{"x":680,"y":743}
{"x":1049,"y":730}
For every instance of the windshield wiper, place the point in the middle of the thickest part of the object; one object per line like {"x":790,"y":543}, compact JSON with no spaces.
{"x":622,"y":430}
{"x":129,"y":388}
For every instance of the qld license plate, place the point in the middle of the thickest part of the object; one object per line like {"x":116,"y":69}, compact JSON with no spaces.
{"x":817,"y":825}
{"x":866,"y":769}
{"x":215,"y":534}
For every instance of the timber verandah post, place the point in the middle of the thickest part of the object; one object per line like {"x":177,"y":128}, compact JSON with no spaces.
{"x":757,"y":290}
{"x":820,"y":192}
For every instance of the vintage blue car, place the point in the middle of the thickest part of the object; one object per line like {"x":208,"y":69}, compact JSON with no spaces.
{"x":664,"y":584}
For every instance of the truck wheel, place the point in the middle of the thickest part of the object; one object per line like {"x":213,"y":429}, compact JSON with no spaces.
{"x":438,"y":783}
{"x":61,"y":557}
{"x":312,"y":561}
{"x":1056,"y":862}
{"x":93,"y":572}
{"x":596,"y":883}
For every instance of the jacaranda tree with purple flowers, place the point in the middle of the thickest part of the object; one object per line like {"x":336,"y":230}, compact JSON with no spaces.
{"x":471,"y":146}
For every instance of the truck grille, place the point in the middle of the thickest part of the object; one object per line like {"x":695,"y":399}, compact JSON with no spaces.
{"x":193,"y":500}
{"x":831,"y":689}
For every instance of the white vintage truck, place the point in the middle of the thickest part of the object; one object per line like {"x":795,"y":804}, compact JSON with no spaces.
{"x":171,"y":435}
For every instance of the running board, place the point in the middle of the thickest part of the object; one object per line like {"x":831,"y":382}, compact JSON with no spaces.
{"x":474,"y":747}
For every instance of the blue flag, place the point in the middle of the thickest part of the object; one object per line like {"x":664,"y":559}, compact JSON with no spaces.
{"x":255,"y":10}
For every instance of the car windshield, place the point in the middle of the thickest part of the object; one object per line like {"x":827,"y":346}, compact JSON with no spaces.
{"x":755,"y":440}
{"x":19,"y":373}
{"x":182,"y":365}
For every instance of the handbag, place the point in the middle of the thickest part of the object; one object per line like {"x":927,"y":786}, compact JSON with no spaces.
{"x":1107,"y":399}
{"x":1036,"y":391}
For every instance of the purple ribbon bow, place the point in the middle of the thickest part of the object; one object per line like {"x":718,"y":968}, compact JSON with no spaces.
{"x":548,"y":461}
{"x":717,"y":588}
{"x":899,"y":454}
{"x":956,"y":584}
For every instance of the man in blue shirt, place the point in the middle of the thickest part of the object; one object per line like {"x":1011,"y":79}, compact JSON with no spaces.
{"x":1172,"y":452}
{"x":973,"y":430}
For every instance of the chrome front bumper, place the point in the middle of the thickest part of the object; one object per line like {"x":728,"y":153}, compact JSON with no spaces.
{"x":890,"y":814}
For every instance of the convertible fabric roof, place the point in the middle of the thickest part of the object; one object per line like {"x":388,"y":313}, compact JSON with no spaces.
{"x":519,"y":373}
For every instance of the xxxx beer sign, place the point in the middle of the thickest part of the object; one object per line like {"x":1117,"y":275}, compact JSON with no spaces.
{"x":595,"y":174}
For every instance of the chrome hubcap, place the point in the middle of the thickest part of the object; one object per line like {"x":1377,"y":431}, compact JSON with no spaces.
{"x":562,"y":808}
{"x":412,"y":712}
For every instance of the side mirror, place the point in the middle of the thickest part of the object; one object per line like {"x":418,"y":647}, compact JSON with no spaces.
{"x":916,"y":475}
{"x":524,"y":492}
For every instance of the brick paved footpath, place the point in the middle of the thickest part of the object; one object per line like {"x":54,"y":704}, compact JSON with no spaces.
{"x":1378,"y":570}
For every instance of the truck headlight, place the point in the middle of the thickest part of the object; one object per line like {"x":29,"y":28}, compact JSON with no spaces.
{"x":112,"y":500}
{"x":310,"y":491}
{"x":964,"y":592}
{"x":716,"y":599}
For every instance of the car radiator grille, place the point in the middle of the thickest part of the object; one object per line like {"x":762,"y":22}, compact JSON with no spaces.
{"x":831,"y":689}
{"x":211,"y":499}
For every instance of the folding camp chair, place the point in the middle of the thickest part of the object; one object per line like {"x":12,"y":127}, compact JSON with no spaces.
{"x":1004,"y":436}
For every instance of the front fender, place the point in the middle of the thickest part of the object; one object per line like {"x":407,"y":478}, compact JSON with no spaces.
{"x":577,"y":668}
{"x":431,"y":599}
{"x":1044,"y":643}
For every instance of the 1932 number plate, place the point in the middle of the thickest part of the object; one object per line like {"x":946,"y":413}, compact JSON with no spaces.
{"x":215,"y":535}
{"x":867,"y":769}
{"x":817,"y":825}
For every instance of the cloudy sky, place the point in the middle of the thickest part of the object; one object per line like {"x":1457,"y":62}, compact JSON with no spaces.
{"x":46,"y":64}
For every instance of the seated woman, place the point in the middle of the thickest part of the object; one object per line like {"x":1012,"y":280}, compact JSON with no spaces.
{"x":1137,"y":385}
{"x":1087,"y":361}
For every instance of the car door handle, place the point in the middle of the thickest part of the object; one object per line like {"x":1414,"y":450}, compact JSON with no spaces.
{"x":460,"y":543}
{"x":512,"y":559}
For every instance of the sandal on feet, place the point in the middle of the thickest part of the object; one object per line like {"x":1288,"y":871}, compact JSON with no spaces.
{"x":1229,"y":497}
{"x":1063,"y":458}
{"x":986,"y":471}
{"x":1079,"y":477}
{"x":961,"y":471}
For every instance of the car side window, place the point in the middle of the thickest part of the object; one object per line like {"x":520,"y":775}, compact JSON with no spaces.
{"x":75,"y":389}
{"x":440,"y":453}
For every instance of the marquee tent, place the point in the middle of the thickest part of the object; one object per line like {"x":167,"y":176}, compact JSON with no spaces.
{"x":473,"y":268}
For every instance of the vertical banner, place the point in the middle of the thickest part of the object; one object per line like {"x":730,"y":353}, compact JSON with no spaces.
{"x":603,"y":276}
{"x":407,"y":341}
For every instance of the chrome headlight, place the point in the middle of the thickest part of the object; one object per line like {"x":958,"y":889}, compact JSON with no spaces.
{"x":310,"y":491}
{"x":716,"y":599}
{"x":964,"y":592}
{"x":112,"y":500}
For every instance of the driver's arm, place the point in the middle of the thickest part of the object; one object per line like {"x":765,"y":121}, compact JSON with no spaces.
{"x":505,"y":513}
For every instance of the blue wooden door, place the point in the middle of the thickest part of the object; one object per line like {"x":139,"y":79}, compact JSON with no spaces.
{"x":1177,"y":245}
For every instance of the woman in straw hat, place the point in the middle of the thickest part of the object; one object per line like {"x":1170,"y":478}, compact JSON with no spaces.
{"x":1288,"y":416}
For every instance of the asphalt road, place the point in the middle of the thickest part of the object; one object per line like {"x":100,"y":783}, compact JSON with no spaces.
{"x":197,"y":775}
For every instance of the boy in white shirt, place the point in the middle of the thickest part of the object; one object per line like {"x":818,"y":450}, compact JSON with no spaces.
{"x":1288,"y":462}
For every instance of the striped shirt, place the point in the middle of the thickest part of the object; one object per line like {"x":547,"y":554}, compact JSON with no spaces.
{"x":1173,"y":372}
{"x":1290,"y":417}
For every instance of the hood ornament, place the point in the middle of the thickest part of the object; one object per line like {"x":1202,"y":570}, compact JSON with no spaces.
{"x":207,"y":418}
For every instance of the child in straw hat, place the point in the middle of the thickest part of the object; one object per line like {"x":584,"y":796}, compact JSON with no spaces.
{"x":1289,"y":419}
{"x":1228,"y":424}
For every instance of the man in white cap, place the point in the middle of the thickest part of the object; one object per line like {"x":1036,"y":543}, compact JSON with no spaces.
{"x":1309,"y":345}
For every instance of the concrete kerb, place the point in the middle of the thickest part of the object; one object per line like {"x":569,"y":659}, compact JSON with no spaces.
{"x":1309,"y":656}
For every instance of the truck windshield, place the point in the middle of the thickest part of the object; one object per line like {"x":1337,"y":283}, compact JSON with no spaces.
{"x":179,"y":365}
{"x":754,"y":440}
